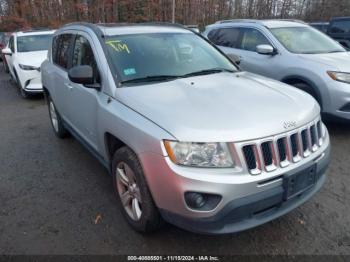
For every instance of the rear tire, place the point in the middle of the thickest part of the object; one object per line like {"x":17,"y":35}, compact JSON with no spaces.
{"x":56,"y":120}
{"x":136,"y":202}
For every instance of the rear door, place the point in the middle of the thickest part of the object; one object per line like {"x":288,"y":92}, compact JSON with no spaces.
{"x":61,"y":48}
{"x":227,"y":39}
{"x":83,"y":100}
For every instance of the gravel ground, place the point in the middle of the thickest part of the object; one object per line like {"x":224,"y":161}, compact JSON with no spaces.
{"x":52,"y":191}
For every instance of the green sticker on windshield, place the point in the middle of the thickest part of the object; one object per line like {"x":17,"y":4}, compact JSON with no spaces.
{"x":129,"y":71}
{"x":118,"y":46}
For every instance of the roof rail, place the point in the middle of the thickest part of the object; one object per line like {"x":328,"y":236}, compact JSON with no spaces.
{"x":163,"y":24}
{"x":237,"y":21}
{"x":91,"y":25}
{"x":288,"y":20}
{"x":257,"y":20}
{"x":38,"y":29}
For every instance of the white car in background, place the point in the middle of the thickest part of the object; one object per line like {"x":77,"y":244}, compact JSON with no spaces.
{"x":24,"y":54}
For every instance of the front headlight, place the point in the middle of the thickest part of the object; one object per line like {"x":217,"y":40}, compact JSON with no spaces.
{"x":28,"y":67}
{"x":199,"y":154}
{"x":340,"y":76}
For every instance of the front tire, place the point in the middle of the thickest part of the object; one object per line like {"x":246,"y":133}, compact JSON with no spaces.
{"x":22,"y":92}
{"x":6,"y":68}
{"x":131,"y":189}
{"x":56,"y":120}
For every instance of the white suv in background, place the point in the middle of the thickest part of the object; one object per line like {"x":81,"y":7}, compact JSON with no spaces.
{"x":292,"y":52}
{"x":24,"y":54}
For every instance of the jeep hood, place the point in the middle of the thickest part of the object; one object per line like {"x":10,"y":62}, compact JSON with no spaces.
{"x":32,"y":58}
{"x":338,"y":61}
{"x":223,"y":107}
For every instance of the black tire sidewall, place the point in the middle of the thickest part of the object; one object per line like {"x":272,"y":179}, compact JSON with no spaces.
{"x":150,"y":219}
{"x":62,"y":132}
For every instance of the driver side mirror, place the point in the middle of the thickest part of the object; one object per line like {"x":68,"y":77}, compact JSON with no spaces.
{"x":234,"y":58}
{"x":83,"y":75}
{"x":7,"y":51}
{"x":265,"y":50}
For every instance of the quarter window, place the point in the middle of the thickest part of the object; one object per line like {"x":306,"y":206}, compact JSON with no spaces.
{"x":83,"y":55}
{"x":60,"y":50}
{"x":228,"y":37}
{"x":251,"y":38}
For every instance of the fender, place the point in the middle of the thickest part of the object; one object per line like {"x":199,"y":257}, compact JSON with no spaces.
{"x":310,"y":83}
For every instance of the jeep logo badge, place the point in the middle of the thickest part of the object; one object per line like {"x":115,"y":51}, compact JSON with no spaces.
{"x":289,"y":124}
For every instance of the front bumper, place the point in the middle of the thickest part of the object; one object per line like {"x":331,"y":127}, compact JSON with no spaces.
{"x":251,"y":211}
{"x":247,"y":200}
{"x":339,"y":98}
{"x":30,"y":81}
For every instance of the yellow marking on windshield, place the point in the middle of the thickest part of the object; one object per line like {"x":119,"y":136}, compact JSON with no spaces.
{"x":118,"y":46}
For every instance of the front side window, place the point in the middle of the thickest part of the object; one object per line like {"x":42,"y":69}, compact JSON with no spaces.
{"x":60,"y":49}
{"x":228,"y":37}
{"x":340,"y":27}
{"x":163,"y":54}
{"x":83,"y":55}
{"x":32,"y":43}
{"x":251,"y":38}
{"x":306,"y":40}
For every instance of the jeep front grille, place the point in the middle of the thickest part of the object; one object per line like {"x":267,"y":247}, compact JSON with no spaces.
{"x":283,"y":150}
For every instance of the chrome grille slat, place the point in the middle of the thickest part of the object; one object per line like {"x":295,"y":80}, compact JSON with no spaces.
{"x":283,"y":150}
{"x":313,"y":138}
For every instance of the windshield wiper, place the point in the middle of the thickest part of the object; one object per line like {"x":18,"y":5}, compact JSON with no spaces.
{"x":336,"y":51}
{"x":208,"y":72}
{"x":154,"y":78}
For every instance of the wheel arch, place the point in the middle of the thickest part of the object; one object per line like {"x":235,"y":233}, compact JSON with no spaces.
{"x":112,"y":144}
{"x":294,"y":79}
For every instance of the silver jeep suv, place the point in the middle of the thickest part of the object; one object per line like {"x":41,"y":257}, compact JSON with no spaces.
{"x":294,"y":53}
{"x":187,"y":136}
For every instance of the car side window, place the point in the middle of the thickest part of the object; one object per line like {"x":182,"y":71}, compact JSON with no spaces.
{"x":60,"y":50}
{"x":83,"y":55}
{"x":251,"y":38}
{"x":228,"y":37}
{"x":340,"y":26}
{"x":11,"y":44}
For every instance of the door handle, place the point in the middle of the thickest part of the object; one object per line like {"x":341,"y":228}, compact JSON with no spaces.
{"x":70,"y":87}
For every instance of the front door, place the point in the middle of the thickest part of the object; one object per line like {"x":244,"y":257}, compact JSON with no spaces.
{"x":83,"y":100}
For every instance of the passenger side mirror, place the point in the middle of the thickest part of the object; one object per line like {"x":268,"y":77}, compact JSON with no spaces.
{"x":234,"y":58}
{"x":7,"y":51}
{"x":265,"y":50}
{"x":83,"y":75}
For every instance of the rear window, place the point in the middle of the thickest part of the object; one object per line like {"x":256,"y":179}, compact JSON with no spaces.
{"x":228,"y":37}
{"x":340,"y":26}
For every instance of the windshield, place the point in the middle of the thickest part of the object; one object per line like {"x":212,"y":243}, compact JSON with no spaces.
{"x":163,"y":54}
{"x":306,"y":40}
{"x":33,"y":43}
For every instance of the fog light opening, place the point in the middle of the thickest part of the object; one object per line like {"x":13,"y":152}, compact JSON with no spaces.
{"x":195,"y":200}
{"x":201,"y":201}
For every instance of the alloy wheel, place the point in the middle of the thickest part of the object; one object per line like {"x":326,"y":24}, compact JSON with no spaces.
{"x":129,"y":191}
